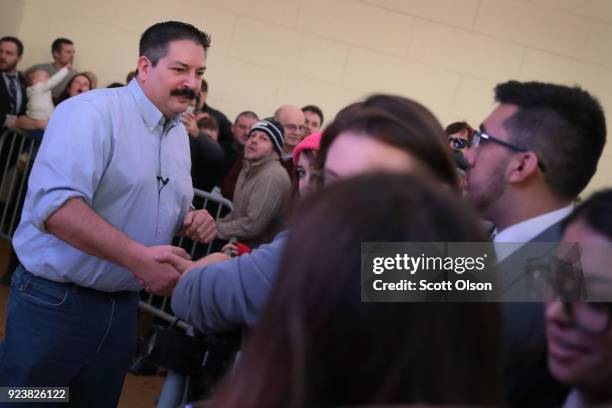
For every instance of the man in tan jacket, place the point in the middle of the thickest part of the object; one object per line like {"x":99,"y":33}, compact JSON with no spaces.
{"x":261,"y":190}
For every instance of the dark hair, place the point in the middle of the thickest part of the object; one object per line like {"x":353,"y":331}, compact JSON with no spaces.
{"x":154,"y":41}
{"x":56,"y":46}
{"x":314,"y":109}
{"x":66,"y":92}
{"x":115,"y":85}
{"x":130,"y":76}
{"x":208,"y":122}
{"x":246,"y":114}
{"x":204,"y":86}
{"x":596,"y":212}
{"x":399,"y":122}
{"x":15,"y":41}
{"x":316,"y":344}
{"x":565,"y":126}
{"x":460,"y":127}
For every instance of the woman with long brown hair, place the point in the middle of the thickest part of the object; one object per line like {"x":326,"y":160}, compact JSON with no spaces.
{"x":317,"y":344}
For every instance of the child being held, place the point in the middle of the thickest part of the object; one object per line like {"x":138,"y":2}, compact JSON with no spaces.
{"x":40,"y":102}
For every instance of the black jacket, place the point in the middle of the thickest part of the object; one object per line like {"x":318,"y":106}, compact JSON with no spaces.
{"x":5,"y":101}
{"x":528,"y":381}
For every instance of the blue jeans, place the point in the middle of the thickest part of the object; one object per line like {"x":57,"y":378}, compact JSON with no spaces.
{"x":61,"y":334}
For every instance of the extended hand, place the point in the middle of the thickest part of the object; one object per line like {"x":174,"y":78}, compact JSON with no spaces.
{"x":181,"y":264}
{"x":159,"y":278}
{"x":185,"y":266}
{"x":200,"y":226}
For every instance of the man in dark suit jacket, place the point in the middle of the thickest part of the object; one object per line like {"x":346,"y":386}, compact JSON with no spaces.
{"x":531,"y":158}
{"x":12,"y":84}
{"x":13,"y":99}
{"x":527,"y":377}
{"x":225,"y":126}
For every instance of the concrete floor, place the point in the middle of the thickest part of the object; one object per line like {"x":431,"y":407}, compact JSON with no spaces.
{"x":137,"y":391}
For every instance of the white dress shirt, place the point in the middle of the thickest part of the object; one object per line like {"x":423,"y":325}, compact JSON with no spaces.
{"x":517,"y":235}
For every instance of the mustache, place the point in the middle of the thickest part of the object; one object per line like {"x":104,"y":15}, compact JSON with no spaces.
{"x":184,"y":92}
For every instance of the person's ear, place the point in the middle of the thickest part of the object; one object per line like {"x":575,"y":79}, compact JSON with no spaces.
{"x":144,"y":67}
{"x":523,"y":166}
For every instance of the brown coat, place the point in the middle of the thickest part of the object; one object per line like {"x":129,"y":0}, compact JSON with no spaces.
{"x":259,"y":198}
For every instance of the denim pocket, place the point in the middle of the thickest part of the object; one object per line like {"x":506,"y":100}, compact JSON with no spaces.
{"x":44,"y":292}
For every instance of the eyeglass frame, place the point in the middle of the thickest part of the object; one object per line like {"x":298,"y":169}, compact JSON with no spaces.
{"x":478,"y":134}
{"x":293,"y":127}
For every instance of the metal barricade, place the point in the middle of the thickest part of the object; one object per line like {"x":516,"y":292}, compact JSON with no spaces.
{"x":17,"y":152}
{"x":176,"y":386}
{"x":215,"y":203}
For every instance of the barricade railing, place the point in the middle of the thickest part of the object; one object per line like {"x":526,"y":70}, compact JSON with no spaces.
{"x":214,"y":203}
{"x":176,"y":389}
{"x":17,"y":151}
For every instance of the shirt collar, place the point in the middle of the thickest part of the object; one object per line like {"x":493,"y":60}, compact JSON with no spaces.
{"x":253,"y":168}
{"x":525,"y":231}
{"x":150,"y":113}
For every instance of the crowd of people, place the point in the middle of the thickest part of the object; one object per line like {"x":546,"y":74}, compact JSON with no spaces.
{"x":113,"y":183}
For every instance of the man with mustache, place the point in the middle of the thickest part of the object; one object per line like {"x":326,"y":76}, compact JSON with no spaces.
{"x":109,"y":189}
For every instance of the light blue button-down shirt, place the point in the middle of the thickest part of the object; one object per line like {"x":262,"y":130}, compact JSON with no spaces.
{"x":108,"y":147}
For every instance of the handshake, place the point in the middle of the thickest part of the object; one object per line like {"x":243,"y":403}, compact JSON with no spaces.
{"x":159,"y":268}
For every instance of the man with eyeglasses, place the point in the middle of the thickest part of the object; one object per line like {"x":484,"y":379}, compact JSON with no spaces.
{"x":530,"y":159}
{"x":292,"y":119}
{"x":580,"y":333}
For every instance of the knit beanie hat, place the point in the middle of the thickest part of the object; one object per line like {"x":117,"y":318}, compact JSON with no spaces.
{"x":311,"y":142}
{"x":273,"y":130}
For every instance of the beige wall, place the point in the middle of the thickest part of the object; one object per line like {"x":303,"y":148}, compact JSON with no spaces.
{"x":447,"y":54}
{"x":11,"y":13}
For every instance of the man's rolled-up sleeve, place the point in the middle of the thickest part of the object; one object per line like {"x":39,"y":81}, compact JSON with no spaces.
{"x":70,"y":162}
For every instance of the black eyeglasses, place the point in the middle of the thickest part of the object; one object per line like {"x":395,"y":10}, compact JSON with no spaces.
{"x":480,"y":137}
{"x":458,"y":143}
